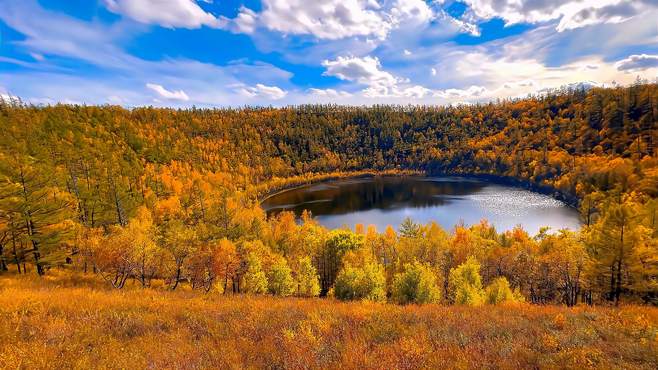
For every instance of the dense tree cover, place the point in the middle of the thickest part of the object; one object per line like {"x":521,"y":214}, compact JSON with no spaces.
{"x":173,"y":195}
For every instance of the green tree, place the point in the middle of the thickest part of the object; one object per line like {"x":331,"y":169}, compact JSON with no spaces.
{"x":255,"y":281}
{"x":417,"y":284}
{"x":614,"y":242}
{"x":308,"y":281}
{"x":465,"y":283}
{"x":40,"y":210}
{"x":499,"y":291}
{"x":410,"y":229}
{"x":280,"y":281}
{"x":338,"y":243}
{"x":361,"y":283}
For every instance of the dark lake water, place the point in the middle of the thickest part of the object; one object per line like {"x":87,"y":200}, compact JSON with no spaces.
{"x":383,"y":201}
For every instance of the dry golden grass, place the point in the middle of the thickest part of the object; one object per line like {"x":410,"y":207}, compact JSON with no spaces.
{"x":71,"y":321}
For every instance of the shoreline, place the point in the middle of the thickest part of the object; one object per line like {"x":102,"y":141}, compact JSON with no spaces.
{"x":337,"y":176}
{"x":569,"y":200}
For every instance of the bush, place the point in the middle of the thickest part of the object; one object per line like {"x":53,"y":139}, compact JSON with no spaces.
{"x":499,"y":291}
{"x":417,"y":284}
{"x":465,"y":283}
{"x":367,"y":282}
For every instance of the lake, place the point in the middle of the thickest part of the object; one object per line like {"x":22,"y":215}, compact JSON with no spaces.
{"x":383,"y":201}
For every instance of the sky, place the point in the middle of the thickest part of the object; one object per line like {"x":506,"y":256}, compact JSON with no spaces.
{"x":220,"y":53}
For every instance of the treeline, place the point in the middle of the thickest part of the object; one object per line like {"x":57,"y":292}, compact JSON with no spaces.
{"x":172,"y":195}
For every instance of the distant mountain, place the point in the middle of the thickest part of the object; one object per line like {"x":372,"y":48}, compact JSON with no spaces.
{"x":583,"y":85}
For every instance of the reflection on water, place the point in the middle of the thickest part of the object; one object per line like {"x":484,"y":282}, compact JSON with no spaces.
{"x":383,"y":201}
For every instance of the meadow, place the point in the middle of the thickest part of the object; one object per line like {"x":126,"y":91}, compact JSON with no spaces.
{"x":70,"y":320}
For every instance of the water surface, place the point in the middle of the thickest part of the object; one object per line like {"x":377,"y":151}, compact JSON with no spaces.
{"x":383,"y":201}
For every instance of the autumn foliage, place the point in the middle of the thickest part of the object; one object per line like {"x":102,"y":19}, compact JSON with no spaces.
{"x":167,"y":201}
{"x":64,"y":321}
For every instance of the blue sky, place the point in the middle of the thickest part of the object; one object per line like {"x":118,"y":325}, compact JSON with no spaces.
{"x":277,"y":52}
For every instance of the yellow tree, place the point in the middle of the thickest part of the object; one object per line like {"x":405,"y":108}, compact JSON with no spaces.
{"x":145,"y":254}
{"x":417,"y":284}
{"x":226,"y":262}
{"x":308,"y":281}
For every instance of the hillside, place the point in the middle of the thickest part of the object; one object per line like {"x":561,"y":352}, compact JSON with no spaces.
{"x":171,"y":196}
{"x":66,"y":322}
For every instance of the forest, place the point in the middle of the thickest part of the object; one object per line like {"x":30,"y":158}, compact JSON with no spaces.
{"x":169,"y":199}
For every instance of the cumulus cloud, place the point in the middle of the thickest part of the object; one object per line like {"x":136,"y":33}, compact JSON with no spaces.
{"x":639,"y":62}
{"x":171,"y":13}
{"x":571,"y":13}
{"x":167,"y":94}
{"x":263,"y":91}
{"x":245,"y":22}
{"x":333,"y":19}
{"x":378,"y":83}
{"x":410,"y":12}
{"x":366,"y":71}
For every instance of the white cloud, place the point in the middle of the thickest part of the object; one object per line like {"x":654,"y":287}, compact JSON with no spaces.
{"x":639,"y":62}
{"x":409,"y":92}
{"x":54,"y":34}
{"x":329,"y":93}
{"x":470,"y":93}
{"x":167,"y":94}
{"x":263,"y":91}
{"x":375,"y":70}
{"x":366,"y":71}
{"x":38,"y":57}
{"x":506,"y":76}
{"x":464,"y":25}
{"x":571,"y":13}
{"x":410,"y":11}
{"x":245,"y":22}
{"x":170,"y":13}
{"x":602,"y":11}
{"x":333,"y":19}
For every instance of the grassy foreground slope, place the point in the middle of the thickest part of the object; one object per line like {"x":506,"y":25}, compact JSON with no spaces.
{"x":73,"y":322}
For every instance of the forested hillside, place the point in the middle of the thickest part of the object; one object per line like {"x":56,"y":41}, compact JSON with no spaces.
{"x":172,"y":196}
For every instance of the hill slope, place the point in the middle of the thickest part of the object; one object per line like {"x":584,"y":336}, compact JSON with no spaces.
{"x":63,"y":324}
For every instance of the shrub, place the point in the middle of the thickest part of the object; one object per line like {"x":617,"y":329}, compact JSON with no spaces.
{"x":367,"y":282}
{"x":499,"y":291}
{"x":417,"y":284}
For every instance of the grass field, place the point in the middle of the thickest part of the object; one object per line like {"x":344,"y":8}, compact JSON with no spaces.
{"x":72,"y":321}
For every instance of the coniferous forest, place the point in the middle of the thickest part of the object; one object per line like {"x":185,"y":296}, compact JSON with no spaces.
{"x":140,"y":230}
